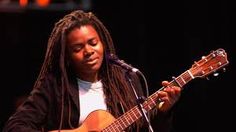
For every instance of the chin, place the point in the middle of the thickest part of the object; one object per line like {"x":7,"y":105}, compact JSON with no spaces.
{"x":94,"y":69}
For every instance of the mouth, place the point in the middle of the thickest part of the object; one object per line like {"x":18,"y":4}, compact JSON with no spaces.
{"x":92,"y":61}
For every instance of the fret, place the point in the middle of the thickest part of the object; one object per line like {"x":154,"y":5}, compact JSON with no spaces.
{"x":133,"y":114}
{"x":187,"y":76}
{"x":149,"y":107}
{"x":138,"y":114}
{"x":178,"y":80}
{"x":116,"y":128}
{"x":119,"y":127}
{"x":121,"y":123}
{"x":112,"y":128}
{"x":124,"y":121}
{"x":191,"y":75}
{"x":130,"y":117}
{"x":116,"y":124}
{"x":152,"y":101}
{"x":184,"y":78}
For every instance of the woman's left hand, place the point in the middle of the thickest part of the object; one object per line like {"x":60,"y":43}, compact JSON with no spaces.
{"x":168,"y":96}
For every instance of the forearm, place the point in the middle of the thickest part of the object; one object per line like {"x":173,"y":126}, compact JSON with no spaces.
{"x":17,"y":125}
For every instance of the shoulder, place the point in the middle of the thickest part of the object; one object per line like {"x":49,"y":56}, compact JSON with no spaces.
{"x":47,"y":84}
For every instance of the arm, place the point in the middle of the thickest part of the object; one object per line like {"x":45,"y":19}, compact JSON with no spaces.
{"x":31,"y":115}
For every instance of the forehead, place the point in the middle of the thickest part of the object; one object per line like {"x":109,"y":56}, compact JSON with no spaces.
{"x":86,"y":30}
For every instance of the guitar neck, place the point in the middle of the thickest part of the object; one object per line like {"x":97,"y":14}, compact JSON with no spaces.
{"x":134,"y":114}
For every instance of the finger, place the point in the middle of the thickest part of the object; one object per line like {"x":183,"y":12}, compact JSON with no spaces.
{"x":163,"y":97}
{"x":162,"y":94}
{"x":177,"y":92}
{"x":173,"y":91}
{"x":165,"y":83}
{"x":166,"y":101}
{"x":170,"y":91}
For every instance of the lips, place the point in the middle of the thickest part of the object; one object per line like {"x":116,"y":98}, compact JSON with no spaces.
{"x":92,"y":61}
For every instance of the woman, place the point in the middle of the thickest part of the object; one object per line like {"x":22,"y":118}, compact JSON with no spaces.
{"x":77,"y":78}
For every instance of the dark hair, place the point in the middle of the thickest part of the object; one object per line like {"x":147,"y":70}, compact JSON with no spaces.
{"x":116,"y":88}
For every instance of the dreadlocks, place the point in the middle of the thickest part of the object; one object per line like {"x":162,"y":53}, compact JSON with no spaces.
{"x":116,"y":88}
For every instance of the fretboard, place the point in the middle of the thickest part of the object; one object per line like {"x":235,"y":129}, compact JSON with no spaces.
{"x":134,"y":114}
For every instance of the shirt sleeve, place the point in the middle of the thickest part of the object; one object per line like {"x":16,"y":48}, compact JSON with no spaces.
{"x":30,"y":116}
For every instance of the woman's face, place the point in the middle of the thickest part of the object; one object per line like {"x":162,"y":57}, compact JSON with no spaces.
{"x":85,"y":51}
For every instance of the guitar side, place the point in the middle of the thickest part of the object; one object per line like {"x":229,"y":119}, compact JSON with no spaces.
{"x":96,"y":121}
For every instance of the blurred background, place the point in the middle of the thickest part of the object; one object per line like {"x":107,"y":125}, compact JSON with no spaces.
{"x":162,"y":39}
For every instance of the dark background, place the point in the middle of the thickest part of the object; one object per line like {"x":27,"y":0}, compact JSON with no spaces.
{"x":161,"y":39}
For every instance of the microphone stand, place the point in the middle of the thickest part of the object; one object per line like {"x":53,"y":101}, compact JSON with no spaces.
{"x":139,"y":101}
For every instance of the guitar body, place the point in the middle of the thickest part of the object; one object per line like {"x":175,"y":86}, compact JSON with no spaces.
{"x":96,"y":121}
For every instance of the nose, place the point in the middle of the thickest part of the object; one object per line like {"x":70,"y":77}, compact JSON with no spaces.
{"x":88,"y":50}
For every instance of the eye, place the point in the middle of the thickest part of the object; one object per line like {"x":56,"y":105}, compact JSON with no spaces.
{"x":93,"y":42}
{"x":77,"y":48}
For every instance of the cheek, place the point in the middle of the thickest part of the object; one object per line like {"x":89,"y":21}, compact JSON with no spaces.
{"x":100,"y":50}
{"x":76,"y":58}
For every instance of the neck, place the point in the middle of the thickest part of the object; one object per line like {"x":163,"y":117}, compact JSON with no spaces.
{"x":88,"y":77}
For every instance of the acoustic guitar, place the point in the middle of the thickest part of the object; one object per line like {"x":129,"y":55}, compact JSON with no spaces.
{"x":103,"y":121}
